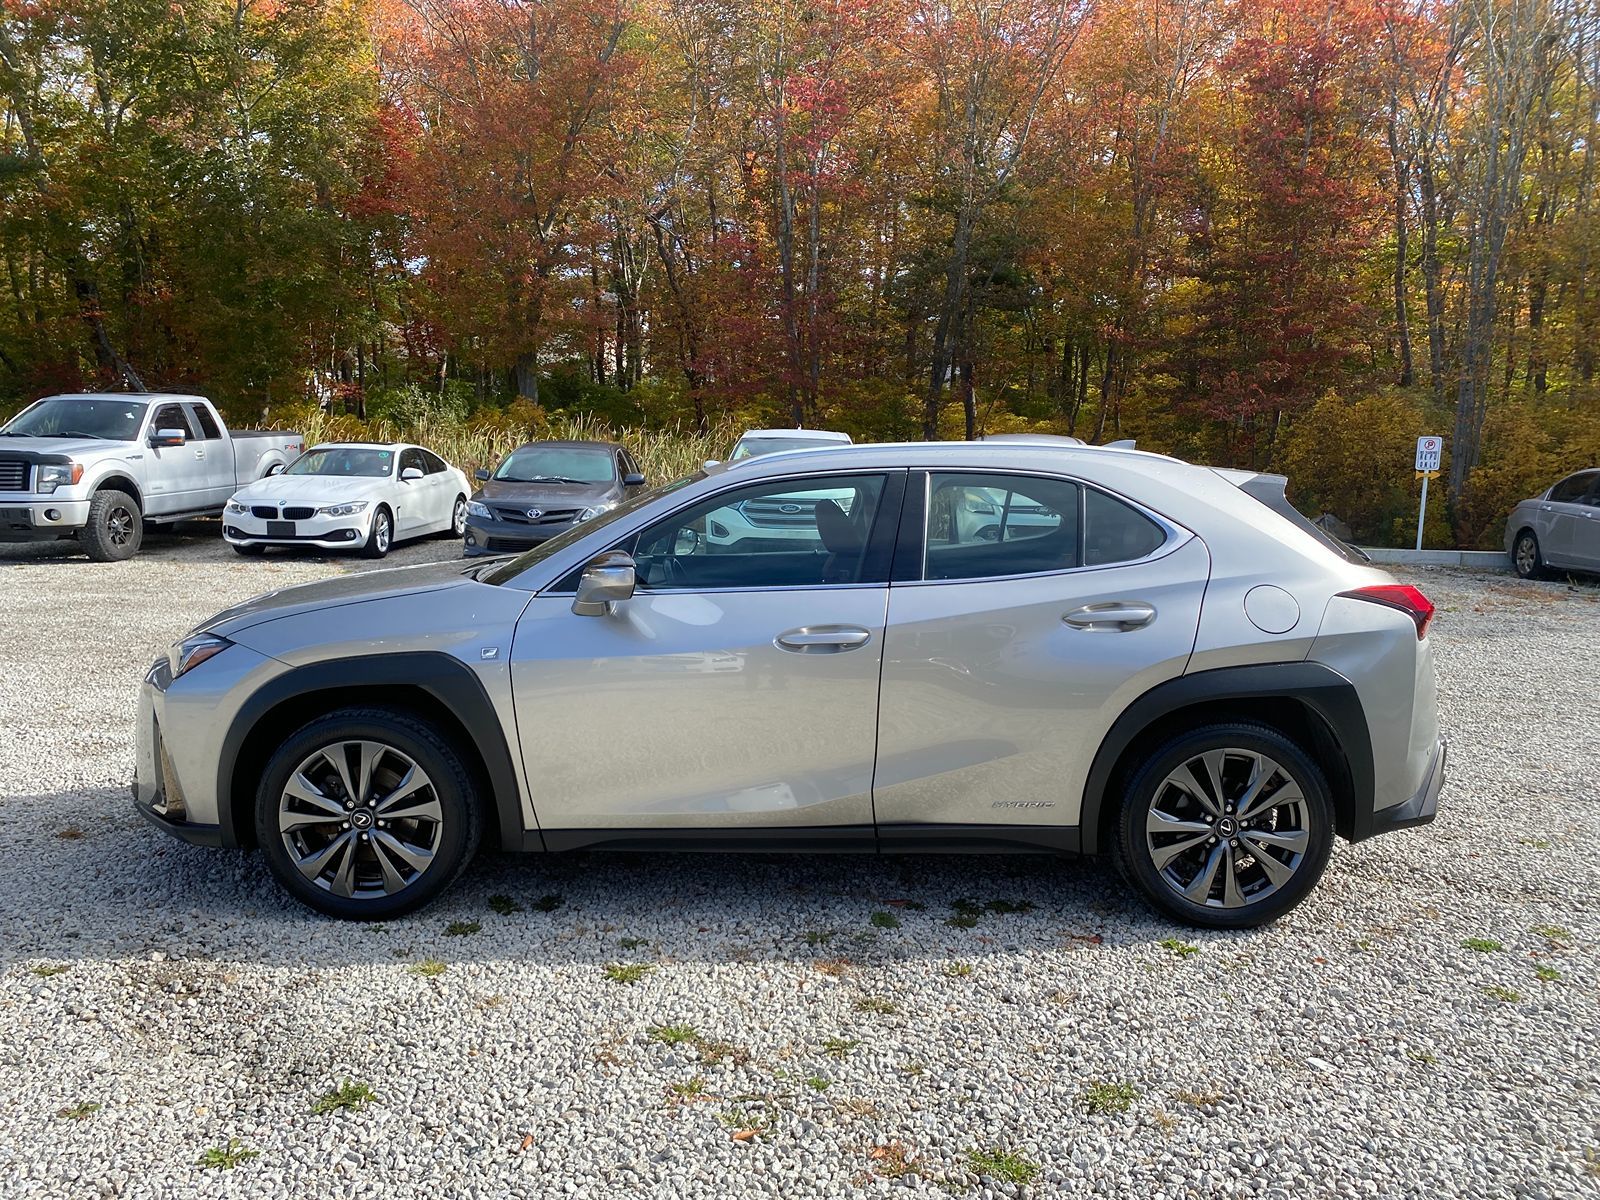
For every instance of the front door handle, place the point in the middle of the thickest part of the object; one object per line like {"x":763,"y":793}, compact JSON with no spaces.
{"x":1121,"y":615}
{"x":822,"y":639}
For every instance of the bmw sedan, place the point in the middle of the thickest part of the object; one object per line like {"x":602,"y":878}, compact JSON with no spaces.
{"x":975,"y":647}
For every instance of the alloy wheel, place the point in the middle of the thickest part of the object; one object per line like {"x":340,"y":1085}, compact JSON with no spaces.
{"x":1228,"y":828}
{"x":458,"y":521}
{"x":119,"y":525}
{"x":380,"y":531}
{"x":1527,"y":555}
{"x":360,"y":819}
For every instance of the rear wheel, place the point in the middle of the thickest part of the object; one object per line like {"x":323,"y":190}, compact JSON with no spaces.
{"x":380,"y":536}
{"x":115,"y":527}
{"x":367,"y":813}
{"x":1228,"y":826}
{"x":1525,"y":555}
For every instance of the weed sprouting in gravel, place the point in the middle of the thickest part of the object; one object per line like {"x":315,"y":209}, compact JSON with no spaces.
{"x":1534,"y":843}
{"x":1426,"y":1057}
{"x":1005,"y":1165}
{"x":962,"y":920}
{"x":878,"y":1005}
{"x":689,"y":1091}
{"x":547,"y":904}
{"x":1497,"y":992}
{"x":1003,"y":908}
{"x":1553,"y":933}
{"x":80,"y":1111}
{"x":817,"y":937}
{"x":1482,"y":945}
{"x":967,"y":907}
{"x":912,"y":1070}
{"x":1181,"y":948}
{"x":744,"y":1123}
{"x":632,"y":943}
{"x":893,"y":1160}
{"x":351,"y":1096}
{"x":225,"y":1158}
{"x":715,"y":1053}
{"x":48,"y":970}
{"x":430,"y":968}
{"x":818,"y":1083}
{"x":627,"y":973}
{"x":1198,"y":1099}
{"x":504,"y":905}
{"x":834,"y":966}
{"x":1547,"y":974}
{"x":958,"y":970}
{"x":462,"y":928}
{"x":885,"y":920}
{"x":672,"y":1035}
{"x":1109,"y":1097}
{"x":839,"y":1047}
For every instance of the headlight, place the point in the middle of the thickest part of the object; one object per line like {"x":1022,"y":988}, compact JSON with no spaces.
{"x":235,"y":507}
{"x":343,"y":510}
{"x":596,"y":510}
{"x":476,"y":508}
{"x":50,"y":476}
{"x":193,"y":650}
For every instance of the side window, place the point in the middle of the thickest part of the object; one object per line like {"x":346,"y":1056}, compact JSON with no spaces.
{"x":623,"y":469}
{"x":432,"y":463}
{"x":1571,"y":489}
{"x":209,"y":429}
{"x":173,"y":416}
{"x":1115,"y":532}
{"x":631,"y":465}
{"x":411,"y":458}
{"x":784,"y":533}
{"x":987,"y":525}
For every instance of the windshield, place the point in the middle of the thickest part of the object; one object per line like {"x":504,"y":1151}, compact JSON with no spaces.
{"x":505,"y":572}
{"x":343,"y":460}
{"x":114,"y":418}
{"x":753,"y":447}
{"x":558,"y":464}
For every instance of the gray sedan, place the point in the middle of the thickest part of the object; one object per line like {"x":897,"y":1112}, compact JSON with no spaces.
{"x":1559,"y":529}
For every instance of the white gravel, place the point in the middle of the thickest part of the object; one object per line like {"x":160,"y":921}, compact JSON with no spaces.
{"x":1358,"y":1048}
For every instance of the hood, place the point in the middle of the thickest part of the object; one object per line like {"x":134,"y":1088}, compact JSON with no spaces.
{"x":549,"y":495}
{"x":72,"y":447}
{"x":331,"y":593}
{"x":311,"y":489}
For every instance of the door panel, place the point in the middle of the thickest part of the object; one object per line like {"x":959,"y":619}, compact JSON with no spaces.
{"x":177,"y":481}
{"x":680,"y":710}
{"x":994,"y":704}
{"x":1586,"y":541}
{"x":215,"y":451}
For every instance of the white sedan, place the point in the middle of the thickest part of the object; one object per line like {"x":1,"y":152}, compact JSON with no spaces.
{"x":347,"y":496}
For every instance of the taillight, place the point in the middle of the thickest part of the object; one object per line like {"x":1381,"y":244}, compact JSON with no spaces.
{"x":1401,"y":596}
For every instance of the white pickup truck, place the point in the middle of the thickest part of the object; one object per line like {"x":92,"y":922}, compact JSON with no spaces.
{"x":102,"y":467}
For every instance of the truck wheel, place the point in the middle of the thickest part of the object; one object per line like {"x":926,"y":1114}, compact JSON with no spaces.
{"x":381,"y":534}
{"x":115,"y":527}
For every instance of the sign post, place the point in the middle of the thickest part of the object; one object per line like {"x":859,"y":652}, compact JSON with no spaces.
{"x":1428,"y":452}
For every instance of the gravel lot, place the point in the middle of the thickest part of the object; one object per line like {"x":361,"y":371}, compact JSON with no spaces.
{"x":820,"y":1024}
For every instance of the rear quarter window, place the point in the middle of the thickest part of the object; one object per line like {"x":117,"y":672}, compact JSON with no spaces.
{"x":1116,"y":532}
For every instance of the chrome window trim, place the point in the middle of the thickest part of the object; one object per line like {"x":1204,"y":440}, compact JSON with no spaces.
{"x":1177,"y":535}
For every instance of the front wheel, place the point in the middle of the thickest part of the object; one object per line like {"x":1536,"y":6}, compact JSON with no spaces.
{"x":1229,"y":826}
{"x":115,"y":527}
{"x":1525,"y":555}
{"x":380,"y":536}
{"x":367,"y":813}
{"x":458,"y":520}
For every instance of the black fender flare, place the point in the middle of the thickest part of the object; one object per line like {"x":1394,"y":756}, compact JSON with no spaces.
{"x":450,"y":683}
{"x":1326,"y":693}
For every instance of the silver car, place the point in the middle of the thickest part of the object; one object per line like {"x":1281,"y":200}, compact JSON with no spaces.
{"x":1560,"y":528}
{"x":1157,"y":662}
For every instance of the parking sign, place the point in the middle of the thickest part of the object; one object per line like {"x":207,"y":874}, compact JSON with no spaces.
{"x":1428,"y":449}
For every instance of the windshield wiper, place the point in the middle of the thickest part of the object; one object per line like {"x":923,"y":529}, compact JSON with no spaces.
{"x":16,"y":433}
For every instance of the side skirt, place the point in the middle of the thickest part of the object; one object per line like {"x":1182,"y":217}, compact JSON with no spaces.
{"x":822,"y":839}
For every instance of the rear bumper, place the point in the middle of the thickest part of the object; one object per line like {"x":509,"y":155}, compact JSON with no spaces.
{"x":33,"y":520}
{"x":1420,"y":809}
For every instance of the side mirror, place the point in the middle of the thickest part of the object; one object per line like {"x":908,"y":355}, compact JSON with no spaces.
{"x":410,"y":474}
{"x":275,"y":469}
{"x":712,"y":462}
{"x":606,"y":580}
{"x":168,"y":437}
{"x":481,"y":475}
{"x":633,"y":480}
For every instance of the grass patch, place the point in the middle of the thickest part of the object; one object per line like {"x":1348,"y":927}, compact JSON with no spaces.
{"x":1426,"y":1057}
{"x":672,"y":1035}
{"x":632,"y":943}
{"x":225,"y":1158}
{"x":1005,"y":1165}
{"x":504,"y":905}
{"x":1482,"y":945}
{"x":1496,"y":992}
{"x":1181,"y":948}
{"x":430,"y":968}
{"x":1553,"y":933}
{"x":1547,"y":974}
{"x":961,"y":921}
{"x":840,"y":1047}
{"x":462,"y":928}
{"x":350,"y":1096}
{"x":880,"y":1005}
{"x":885,"y":920}
{"x":958,"y":970}
{"x":818,"y":1083}
{"x":80,"y":1111}
{"x":1109,"y":1097}
{"x":549,"y":903}
{"x":817,"y":937}
{"x":49,"y":970}
{"x":689,"y":1092}
{"x":913,"y":1069}
{"x":1535,"y":843}
{"x":627,"y":973}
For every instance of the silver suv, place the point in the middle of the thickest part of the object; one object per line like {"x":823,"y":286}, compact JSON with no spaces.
{"x":1128,"y":656}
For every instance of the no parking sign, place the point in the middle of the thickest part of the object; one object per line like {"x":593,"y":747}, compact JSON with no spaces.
{"x":1429,"y":449}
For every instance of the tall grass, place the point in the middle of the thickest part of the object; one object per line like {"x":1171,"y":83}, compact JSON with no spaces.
{"x":482,"y":441}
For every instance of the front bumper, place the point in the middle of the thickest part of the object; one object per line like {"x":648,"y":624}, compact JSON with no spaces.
{"x":327,"y":533}
{"x":1420,"y":809}
{"x":32,"y":519}
{"x":487,"y":535}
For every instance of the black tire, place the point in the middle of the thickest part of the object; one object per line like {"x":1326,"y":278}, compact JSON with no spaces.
{"x":1314,"y":816}
{"x":248,"y":551}
{"x":1526,"y":558}
{"x":457,"y":528}
{"x":115,"y":528}
{"x":454,"y":837}
{"x":381,"y":536}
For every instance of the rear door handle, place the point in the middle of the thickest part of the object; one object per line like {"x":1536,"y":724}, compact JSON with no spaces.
{"x":1121,"y":615}
{"x":822,"y":639}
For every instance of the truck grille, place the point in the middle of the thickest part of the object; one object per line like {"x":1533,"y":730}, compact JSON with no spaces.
{"x":13,"y":475}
